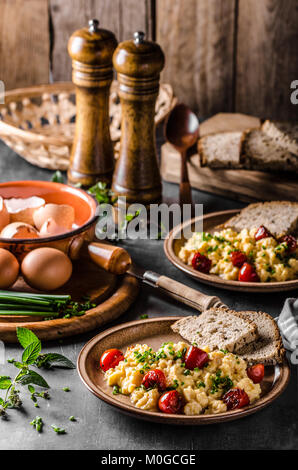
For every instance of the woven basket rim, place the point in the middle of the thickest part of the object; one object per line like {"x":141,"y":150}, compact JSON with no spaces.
{"x":38,"y":90}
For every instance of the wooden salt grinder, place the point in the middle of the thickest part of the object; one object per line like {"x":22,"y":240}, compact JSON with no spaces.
{"x":92,"y":155}
{"x":138,"y":64}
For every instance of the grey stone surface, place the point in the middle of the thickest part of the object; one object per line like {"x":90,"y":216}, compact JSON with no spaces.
{"x":100,"y":426}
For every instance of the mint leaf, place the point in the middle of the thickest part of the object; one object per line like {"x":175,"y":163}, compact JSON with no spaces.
{"x":5,"y":382}
{"x":54,"y":360}
{"x":31,"y":389}
{"x":31,"y":352}
{"x":32,"y":377}
{"x":26,"y":336}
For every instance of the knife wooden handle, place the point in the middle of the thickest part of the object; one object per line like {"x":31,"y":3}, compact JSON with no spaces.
{"x":187,"y":295}
{"x":114,"y":259}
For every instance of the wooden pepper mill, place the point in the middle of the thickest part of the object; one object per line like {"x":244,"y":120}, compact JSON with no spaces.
{"x":138,"y":64}
{"x":92,"y":155}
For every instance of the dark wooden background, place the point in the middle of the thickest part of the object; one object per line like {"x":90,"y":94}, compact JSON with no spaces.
{"x":221,"y":55}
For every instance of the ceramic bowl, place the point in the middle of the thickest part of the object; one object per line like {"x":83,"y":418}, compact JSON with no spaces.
{"x":69,"y":242}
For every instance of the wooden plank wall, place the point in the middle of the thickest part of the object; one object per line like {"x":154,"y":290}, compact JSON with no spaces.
{"x":221,"y":55}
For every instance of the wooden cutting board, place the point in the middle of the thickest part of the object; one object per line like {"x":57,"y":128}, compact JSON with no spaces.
{"x":242,"y":185}
{"x":112,"y":294}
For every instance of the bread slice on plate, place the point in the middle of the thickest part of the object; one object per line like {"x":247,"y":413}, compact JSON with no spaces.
{"x":217,"y":328}
{"x":258,"y":151}
{"x":284,"y":134}
{"x":220,"y":150}
{"x":280,"y":217}
{"x":268,"y":348}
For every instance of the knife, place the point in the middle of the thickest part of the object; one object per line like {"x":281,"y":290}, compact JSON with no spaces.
{"x":176,"y":290}
{"x":118,"y":261}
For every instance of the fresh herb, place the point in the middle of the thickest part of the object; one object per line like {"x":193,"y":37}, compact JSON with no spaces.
{"x":103,"y":193}
{"x":66,"y":389}
{"x":186,"y":372}
{"x":58,"y":430}
{"x":37,"y":423}
{"x":26,"y":376}
{"x":220,"y":383}
{"x":72,"y":418}
{"x":57,"y":177}
{"x":225,"y":351}
{"x":47,"y":306}
{"x":201,"y":384}
{"x":116,"y":390}
{"x":142,"y":317}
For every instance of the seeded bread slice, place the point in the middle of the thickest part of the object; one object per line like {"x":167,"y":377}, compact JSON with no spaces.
{"x":284,"y":134}
{"x":259,"y":152}
{"x":217,"y":328}
{"x":268,"y":348}
{"x":220,"y":150}
{"x":279,"y":217}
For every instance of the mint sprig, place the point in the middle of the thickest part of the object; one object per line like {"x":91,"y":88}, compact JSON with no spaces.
{"x":26,"y":376}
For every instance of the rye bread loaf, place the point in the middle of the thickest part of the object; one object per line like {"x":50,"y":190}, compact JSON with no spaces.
{"x":260,"y":152}
{"x":220,"y":150}
{"x":284,"y":134}
{"x":279,"y":217}
{"x":268,"y":348}
{"x":217,"y":328}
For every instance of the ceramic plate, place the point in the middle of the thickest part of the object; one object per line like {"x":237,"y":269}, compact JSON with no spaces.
{"x":154,"y":332}
{"x":172,"y":247}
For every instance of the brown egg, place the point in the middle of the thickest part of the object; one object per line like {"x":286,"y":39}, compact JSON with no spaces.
{"x":22,"y":209}
{"x":50,"y":227}
{"x":9,"y":269}
{"x":46,"y":268}
{"x":4,"y":215}
{"x":63,"y":214}
{"x":19,"y":230}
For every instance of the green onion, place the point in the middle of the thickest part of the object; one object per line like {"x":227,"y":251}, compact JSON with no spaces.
{"x":28,"y":312}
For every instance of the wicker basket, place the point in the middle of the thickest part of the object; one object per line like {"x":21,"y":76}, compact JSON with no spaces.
{"x":38,"y":122}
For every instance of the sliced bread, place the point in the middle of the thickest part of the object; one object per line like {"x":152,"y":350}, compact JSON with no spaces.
{"x":280,"y":217}
{"x":217,"y":328}
{"x":268,"y":348}
{"x":284,"y":134}
{"x":258,"y":151}
{"x":220,"y":150}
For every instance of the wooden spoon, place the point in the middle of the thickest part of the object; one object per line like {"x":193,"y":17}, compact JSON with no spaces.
{"x":182,"y":131}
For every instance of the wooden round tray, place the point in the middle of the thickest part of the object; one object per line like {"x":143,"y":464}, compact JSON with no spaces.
{"x":112,"y":294}
{"x":174,"y":242}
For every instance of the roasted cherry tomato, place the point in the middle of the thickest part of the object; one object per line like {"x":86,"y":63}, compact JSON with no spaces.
{"x":262,"y":232}
{"x":195,"y":357}
{"x":256,"y":373}
{"x":201,"y":263}
{"x":290,"y":241}
{"x":235,"y":398}
{"x":110,"y":359}
{"x":154,"y":378}
{"x":171,"y":402}
{"x":247,"y":273}
{"x":238,"y":258}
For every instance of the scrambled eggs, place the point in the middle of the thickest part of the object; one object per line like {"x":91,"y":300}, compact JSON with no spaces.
{"x":202,"y":389}
{"x":269,"y":257}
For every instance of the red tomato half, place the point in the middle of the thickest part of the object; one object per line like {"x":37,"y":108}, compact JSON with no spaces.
{"x":110,"y":359}
{"x":256,"y":373}
{"x":154,"y":378}
{"x":238,"y":258}
{"x":262,"y":232}
{"x":290,"y":241}
{"x":195,"y":357}
{"x":235,"y":398}
{"x":201,"y":263}
{"x":247,"y":273}
{"x":171,"y":402}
